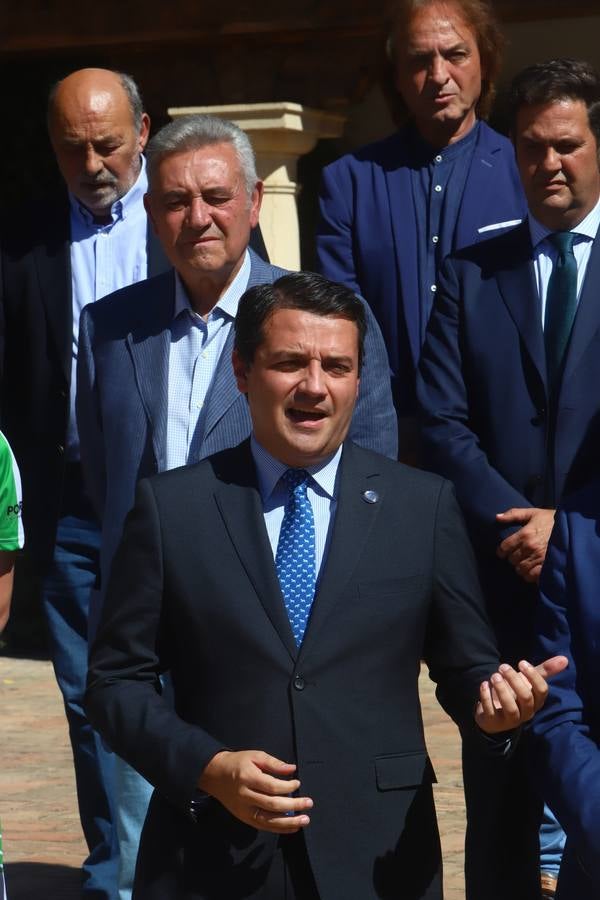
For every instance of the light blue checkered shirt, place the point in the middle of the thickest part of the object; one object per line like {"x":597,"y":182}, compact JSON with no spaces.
{"x":196,"y":346}
{"x":322,"y":491}
{"x":104,"y":258}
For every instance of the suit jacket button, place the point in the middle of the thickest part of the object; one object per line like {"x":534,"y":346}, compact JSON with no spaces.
{"x":60,"y":449}
{"x":540,"y":418}
{"x":299,"y":682}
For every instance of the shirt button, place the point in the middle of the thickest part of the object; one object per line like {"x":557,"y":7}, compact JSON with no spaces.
{"x":299,"y":683}
{"x":438,"y":158}
{"x":438,"y":188}
{"x":204,"y":354}
{"x":435,"y":239}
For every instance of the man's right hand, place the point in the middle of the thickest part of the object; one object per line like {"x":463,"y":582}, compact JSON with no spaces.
{"x":256,"y":789}
{"x":526,"y":548}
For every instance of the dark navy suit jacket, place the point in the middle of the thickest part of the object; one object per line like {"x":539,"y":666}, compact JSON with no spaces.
{"x":194,"y":590}
{"x":366,"y":238}
{"x":567,"y":730}
{"x":36,"y":335}
{"x":122,"y":397}
{"x":483,"y":391}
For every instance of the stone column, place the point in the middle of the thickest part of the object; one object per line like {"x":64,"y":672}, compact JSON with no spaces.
{"x":280,"y":134}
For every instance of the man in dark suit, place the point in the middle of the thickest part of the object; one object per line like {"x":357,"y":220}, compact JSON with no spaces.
{"x":508,"y":368}
{"x":156,"y":387}
{"x":215,"y":581}
{"x":567,"y":736}
{"x":392,"y":211}
{"x":90,"y":239}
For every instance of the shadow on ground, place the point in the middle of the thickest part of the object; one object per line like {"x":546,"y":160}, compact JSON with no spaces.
{"x":29,"y":880}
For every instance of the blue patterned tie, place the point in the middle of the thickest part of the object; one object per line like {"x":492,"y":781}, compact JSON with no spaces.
{"x":295,"y":557}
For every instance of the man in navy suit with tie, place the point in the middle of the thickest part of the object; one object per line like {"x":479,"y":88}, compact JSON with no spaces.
{"x":567,"y":735}
{"x":156,"y":388}
{"x":508,"y":376}
{"x":392,"y":211}
{"x":291,"y":585}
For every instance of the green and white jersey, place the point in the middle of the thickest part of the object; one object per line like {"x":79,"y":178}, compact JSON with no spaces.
{"x":11,"y":523}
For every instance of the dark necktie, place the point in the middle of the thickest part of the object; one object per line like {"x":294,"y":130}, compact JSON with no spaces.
{"x":561,"y":305}
{"x":295,"y":557}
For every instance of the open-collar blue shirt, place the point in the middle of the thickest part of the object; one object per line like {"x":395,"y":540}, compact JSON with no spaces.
{"x":195,"y":349}
{"x":104,"y":258}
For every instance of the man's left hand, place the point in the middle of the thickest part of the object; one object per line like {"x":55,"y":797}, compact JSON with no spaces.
{"x":510,"y":698}
{"x":526,"y":548}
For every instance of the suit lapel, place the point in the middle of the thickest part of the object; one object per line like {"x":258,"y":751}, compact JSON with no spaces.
{"x":157,"y":261}
{"x":354,"y":519}
{"x":518,"y":289}
{"x":587,"y":318}
{"x":404,"y":229}
{"x":239,"y":503}
{"x":481,"y":189}
{"x":262,"y":272}
{"x":149,"y":343}
{"x":223,"y":391}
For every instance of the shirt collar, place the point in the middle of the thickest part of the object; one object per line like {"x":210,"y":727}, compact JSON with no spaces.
{"x":269,"y":470}
{"x":121,"y":208}
{"x":424,"y":153}
{"x":587,"y":228}
{"x":227,"y":304}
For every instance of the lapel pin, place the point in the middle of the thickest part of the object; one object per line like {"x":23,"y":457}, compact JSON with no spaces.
{"x":370,"y":496}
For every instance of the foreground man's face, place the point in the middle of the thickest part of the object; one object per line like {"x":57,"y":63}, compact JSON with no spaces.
{"x":302,"y":385}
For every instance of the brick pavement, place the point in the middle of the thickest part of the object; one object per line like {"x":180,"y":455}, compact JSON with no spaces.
{"x":42,"y":839}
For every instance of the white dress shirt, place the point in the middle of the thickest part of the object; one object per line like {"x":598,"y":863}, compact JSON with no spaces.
{"x":545,"y":255}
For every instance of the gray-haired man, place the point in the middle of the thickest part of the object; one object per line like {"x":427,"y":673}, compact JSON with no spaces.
{"x":156,"y":385}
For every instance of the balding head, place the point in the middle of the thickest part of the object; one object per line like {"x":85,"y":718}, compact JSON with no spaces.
{"x":97,"y":132}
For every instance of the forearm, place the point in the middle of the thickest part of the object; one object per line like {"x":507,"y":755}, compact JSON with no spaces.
{"x":7,"y":563}
{"x":142,"y":728}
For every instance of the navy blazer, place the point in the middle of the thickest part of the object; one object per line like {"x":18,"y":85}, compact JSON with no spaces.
{"x":366,"y":237}
{"x":567,"y":730}
{"x":194,"y":590}
{"x":483,"y":393}
{"x":122,"y":396}
{"x":36,"y":337}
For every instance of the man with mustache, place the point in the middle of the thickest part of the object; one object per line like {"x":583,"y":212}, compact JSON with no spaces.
{"x":508,"y":388}
{"x":82,"y":243}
